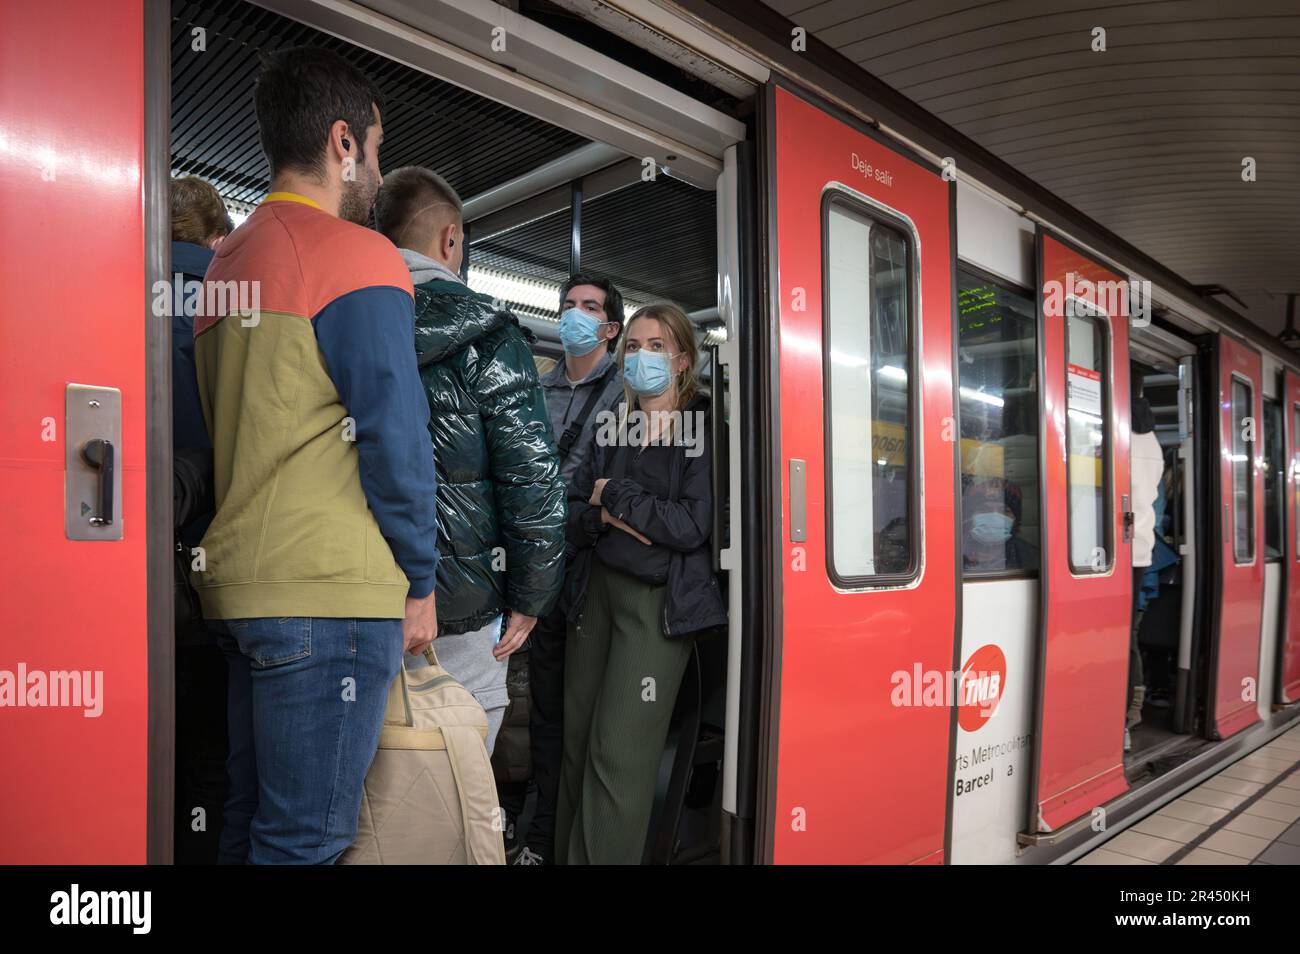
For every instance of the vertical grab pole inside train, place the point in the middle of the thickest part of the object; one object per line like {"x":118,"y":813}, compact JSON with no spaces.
{"x":464,"y":252}
{"x":1187,"y":547}
{"x":575,"y":226}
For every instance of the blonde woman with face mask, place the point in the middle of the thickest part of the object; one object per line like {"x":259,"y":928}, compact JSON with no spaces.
{"x":642,"y":587}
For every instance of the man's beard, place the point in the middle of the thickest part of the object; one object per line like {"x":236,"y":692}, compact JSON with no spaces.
{"x":359,"y":198}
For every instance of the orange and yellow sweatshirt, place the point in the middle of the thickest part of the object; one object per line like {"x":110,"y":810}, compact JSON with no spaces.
{"x":324,"y":469}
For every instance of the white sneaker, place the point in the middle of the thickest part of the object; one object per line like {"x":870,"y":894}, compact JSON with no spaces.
{"x":529,"y":857}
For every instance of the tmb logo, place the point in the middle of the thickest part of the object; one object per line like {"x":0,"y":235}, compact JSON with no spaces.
{"x":979,"y":690}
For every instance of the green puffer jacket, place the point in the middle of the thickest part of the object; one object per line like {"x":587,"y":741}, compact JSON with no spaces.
{"x":501,"y":501}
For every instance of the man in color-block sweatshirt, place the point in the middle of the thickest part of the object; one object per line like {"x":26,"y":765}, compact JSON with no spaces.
{"x":318,"y":569}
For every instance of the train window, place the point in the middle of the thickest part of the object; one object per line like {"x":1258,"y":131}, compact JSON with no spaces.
{"x":868,"y":364}
{"x":1274,"y":480}
{"x":1243,"y":484}
{"x":997,"y":376}
{"x":1295,"y":440}
{"x":1088,"y":439}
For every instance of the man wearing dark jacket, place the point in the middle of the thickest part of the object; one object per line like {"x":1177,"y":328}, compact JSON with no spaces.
{"x":584,"y":383}
{"x":501,"y":501}
{"x":199,"y":225}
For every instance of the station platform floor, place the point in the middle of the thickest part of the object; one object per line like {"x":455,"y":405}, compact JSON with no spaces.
{"x":1249,"y":813}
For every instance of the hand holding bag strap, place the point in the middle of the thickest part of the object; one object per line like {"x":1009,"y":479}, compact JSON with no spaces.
{"x":403,"y":682}
{"x":404,"y":678}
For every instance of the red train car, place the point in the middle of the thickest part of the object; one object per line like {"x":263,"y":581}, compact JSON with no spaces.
{"x":927,"y":365}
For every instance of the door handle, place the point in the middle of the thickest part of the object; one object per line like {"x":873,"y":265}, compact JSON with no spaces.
{"x":1129,"y":518}
{"x":798,"y":501}
{"x":92,"y":463}
{"x":101,"y":455}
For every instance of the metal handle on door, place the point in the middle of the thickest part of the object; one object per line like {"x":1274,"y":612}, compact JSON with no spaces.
{"x":92,"y":463}
{"x":798,"y":501}
{"x":99,"y":454}
{"x":1129,"y":518}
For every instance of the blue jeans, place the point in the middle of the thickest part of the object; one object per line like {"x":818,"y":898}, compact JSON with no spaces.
{"x":305,"y":707}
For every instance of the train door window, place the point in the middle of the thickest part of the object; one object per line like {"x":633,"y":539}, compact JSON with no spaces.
{"x":1243,"y":484}
{"x":1274,"y":480}
{"x":868,"y":364}
{"x":1088,"y":439}
{"x":997,"y":369}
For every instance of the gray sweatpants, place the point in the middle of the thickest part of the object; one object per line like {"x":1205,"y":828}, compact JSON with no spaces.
{"x":468,"y":657}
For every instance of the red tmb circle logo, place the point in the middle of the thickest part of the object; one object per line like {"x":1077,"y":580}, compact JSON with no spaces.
{"x":980,"y":688}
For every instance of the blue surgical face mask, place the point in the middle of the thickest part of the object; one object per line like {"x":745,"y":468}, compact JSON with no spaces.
{"x":990,"y":528}
{"x":578,"y":332}
{"x":647,"y":372}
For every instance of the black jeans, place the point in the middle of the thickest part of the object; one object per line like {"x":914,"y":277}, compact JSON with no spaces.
{"x":1135,"y":674}
{"x":201,"y":747}
{"x":546,"y":726}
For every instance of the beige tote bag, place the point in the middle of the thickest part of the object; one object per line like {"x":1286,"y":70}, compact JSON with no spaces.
{"x":430,"y":797}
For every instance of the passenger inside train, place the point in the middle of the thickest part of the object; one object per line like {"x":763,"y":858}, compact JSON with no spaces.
{"x":520,"y":348}
{"x":997,"y":362}
{"x":991,"y":518}
{"x":1146,"y":465}
{"x":1157,"y":572}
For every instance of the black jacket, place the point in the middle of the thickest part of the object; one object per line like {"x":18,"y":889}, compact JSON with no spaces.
{"x":500,"y":497}
{"x":665,"y":493}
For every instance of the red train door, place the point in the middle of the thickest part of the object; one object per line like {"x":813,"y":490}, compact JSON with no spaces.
{"x":1289,"y":656}
{"x":863,"y":291}
{"x":73,"y":671}
{"x":1086,"y":577}
{"x":1239,"y":519}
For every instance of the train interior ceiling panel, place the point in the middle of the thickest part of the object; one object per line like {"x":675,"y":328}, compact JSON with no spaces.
{"x":655,"y":239}
{"x":928,"y":436}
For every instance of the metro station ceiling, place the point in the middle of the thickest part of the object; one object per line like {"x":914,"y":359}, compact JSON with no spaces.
{"x":1148,"y":137}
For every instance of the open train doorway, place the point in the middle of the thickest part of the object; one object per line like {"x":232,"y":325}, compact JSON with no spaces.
{"x":544,"y":199}
{"x":1165,"y":704}
{"x":1159,"y":571}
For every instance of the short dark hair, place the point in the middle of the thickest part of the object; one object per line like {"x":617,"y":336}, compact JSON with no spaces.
{"x":613,"y":300}
{"x":403,"y":201}
{"x":299,"y":94}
